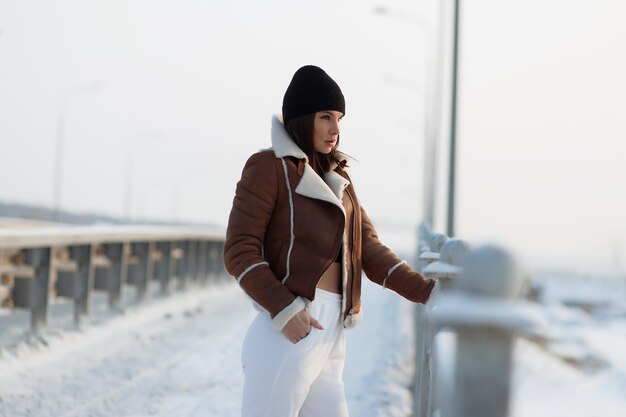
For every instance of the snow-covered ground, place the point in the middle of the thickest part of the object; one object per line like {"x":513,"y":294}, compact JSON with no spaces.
{"x":582,"y":371}
{"x":180,"y":356}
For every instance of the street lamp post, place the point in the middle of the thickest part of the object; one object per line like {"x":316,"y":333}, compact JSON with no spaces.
{"x":60,"y":141}
{"x":129,"y":175}
{"x":432,"y":121}
{"x":128,"y":183}
{"x":432,"y":103}
{"x":453,"y":124}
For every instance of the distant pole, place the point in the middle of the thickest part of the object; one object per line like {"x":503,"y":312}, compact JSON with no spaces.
{"x":59,"y":148}
{"x":434,"y":89}
{"x":128,"y":184}
{"x":430,"y":146}
{"x":453,"y":120}
{"x":430,"y":137}
{"x":175,"y":200}
{"x":147,"y":140}
{"x":58,"y":159}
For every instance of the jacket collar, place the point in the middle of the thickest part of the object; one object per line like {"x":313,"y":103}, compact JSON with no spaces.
{"x":330,"y":188}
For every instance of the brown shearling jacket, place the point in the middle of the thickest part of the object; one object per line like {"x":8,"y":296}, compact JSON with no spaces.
{"x":286,"y":227}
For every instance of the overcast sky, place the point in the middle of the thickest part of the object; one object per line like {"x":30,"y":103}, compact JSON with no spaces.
{"x":163,"y":101}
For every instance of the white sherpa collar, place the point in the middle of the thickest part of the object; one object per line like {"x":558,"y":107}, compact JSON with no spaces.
{"x":330,"y":188}
{"x":282,"y":145}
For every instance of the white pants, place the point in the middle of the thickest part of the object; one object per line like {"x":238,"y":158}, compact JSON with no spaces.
{"x":282,"y":379}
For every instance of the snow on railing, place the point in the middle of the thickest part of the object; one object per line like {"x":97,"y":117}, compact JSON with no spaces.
{"x":39,"y":264}
{"x":466,"y":331}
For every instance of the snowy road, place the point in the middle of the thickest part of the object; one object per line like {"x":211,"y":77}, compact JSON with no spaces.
{"x":181,"y":356}
{"x":178,"y":357}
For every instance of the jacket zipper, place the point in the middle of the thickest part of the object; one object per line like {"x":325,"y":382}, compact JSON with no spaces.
{"x":352,"y":257}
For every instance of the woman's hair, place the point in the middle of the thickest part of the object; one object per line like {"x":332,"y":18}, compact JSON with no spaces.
{"x":300,"y":129}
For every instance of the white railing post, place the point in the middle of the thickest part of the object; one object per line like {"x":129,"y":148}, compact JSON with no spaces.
{"x":39,"y":259}
{"x":481,"y":310}
{"x":423,"y":327}
{"x":444,"y":267}
{"x":441,"y":258}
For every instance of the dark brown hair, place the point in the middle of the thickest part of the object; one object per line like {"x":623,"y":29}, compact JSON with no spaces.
{"x":300,"y":129}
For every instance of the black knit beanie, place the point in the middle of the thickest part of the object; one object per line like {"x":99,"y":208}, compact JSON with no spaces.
{"x":311,"y":90}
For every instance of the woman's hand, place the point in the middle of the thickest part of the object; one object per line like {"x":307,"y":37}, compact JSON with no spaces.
{"x":299,"y":326}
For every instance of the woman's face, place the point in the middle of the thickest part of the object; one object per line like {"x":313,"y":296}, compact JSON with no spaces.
{"x":326,"y":130}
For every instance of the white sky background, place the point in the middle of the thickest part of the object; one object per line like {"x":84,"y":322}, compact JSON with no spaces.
{"x":542,"y":129}
{"x":187,"y":88}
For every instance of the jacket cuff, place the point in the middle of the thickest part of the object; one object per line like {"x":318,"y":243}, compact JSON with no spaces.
{"x":409,"y":284}
{"x":282,"y":318}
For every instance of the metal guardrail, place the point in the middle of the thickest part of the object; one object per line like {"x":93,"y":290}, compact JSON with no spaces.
{"x":39,"y":264}
{"x":476,"y":299}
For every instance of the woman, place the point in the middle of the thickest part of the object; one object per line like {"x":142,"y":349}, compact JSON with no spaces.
{"x":296,"y":242}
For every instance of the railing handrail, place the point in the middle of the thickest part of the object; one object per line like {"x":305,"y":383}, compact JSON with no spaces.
{"x":478,"y":300}
{"x":39,"y":264}
{"x":76,"y":235}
